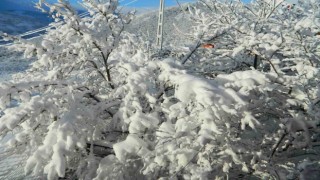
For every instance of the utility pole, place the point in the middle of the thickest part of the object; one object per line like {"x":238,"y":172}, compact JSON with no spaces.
{"x":160,"y":25}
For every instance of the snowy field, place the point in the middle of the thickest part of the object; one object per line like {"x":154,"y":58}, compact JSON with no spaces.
{"x":11,"y":63}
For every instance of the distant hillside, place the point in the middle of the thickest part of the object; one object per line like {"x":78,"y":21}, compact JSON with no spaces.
{"x":25,"y":5}
{"x":9,"y":5}
{"x":177,"y":25}
{"x":17,"y":22}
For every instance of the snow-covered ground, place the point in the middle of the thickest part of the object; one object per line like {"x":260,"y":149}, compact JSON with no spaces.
{"x":11,"y":63}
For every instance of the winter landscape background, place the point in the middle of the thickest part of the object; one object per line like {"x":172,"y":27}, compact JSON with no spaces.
{"x":233,"y":94}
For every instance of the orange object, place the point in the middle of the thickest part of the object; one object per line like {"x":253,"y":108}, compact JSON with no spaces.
{"x":208,"y":46}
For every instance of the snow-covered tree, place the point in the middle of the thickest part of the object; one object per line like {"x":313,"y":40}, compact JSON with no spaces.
{"x":94,"y":106}
{"x":54,"y":110}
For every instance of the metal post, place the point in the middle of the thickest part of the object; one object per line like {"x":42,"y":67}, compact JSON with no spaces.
{"x":160,"y":25}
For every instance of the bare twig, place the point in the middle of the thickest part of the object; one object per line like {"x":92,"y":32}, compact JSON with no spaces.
{"x":277,"y":145}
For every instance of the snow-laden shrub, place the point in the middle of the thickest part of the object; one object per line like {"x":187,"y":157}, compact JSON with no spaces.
{"x":55,"y":111}
{"x":177,"y":118}
{"x":275,"y":38}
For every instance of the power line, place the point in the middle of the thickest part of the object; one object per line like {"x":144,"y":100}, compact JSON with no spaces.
{"x":130,"y":2}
